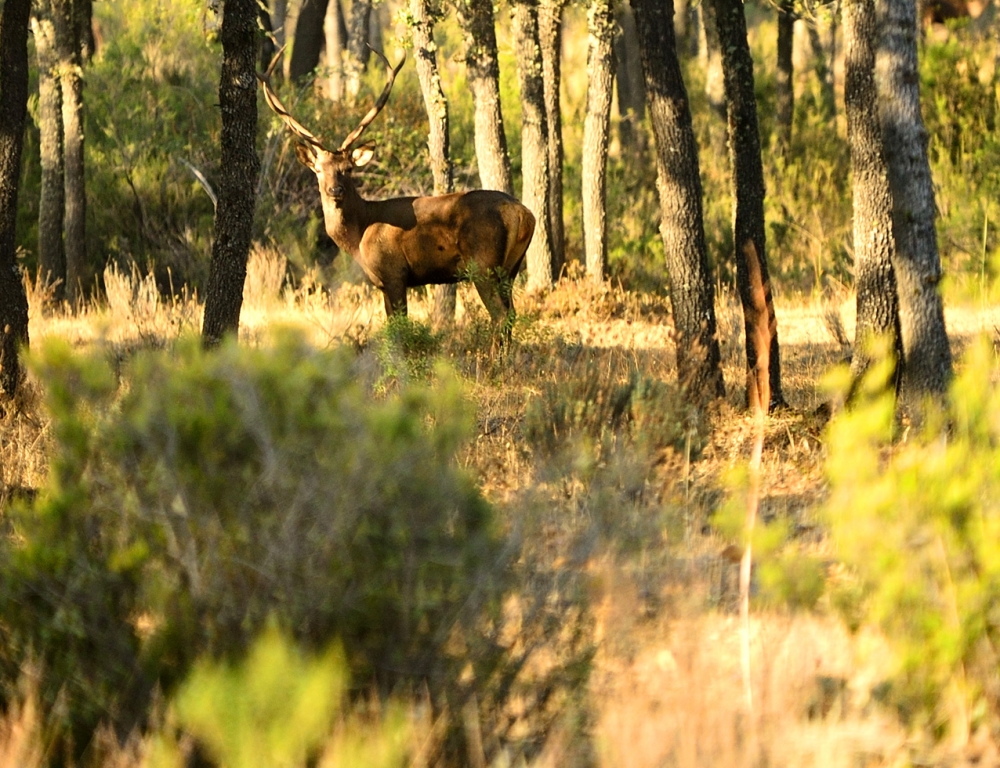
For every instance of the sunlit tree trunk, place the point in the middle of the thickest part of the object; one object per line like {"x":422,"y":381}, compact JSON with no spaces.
{"x":628,"y":77}
{"x":763,"y":359}
{"x":358,"y":52}
{"x":550,"y":16}
{"x":51,"y":203}
{"x":335,"y":32}
{"x":239,"y":168}
{"x":875,"y":281}
{"x":692,"y":295}
{"x":927,"y":365}
{"x":596,"y":128}
{"x":481,"y":60}
{"x":423,"y":17}
{"x":13,"y":108}
{"x":534,"y":141}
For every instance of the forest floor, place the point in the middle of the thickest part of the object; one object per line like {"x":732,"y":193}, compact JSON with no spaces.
{"x":668,"y":684}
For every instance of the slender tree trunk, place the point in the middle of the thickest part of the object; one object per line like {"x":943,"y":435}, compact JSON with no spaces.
{"x":710,"y":57}
{"x":308,"y":39}
{"x":534,"y":141}
{"x":763,"y":360}
{"x":335,"y":31}
{"x":357,"y":46}
{"x":492,"y":158}
{"x":679,"y":184}
{"x":823,"y":57}
{"x":550,"y":17}
{"x":596,"y":127}
{"x":875,"y":281}
{"x":68,"y":48}
{"x":628,"y":77}
{"x":13,"y":108}
{"x":279,"y":15}
{"x":927,"y":366}
{"x":51,"y":203}
{"x":784,"y":82}
{"x":424,"y":16}
{"x":240,"y":167}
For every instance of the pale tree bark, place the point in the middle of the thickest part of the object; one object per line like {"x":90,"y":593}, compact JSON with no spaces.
{"x":308,"y":39}
{"x":335,"y":32}
{"x":51,"y":203}
{"x":356,"y":60}
{"x":481,"y":60}
{"x":534,"y":141}
{"x":423,"y":15}
{"x":784,"y":85}
{"x":550,"y":18}
{"x":69,"y":51}
{"x":13,"y":108}
{"x":692,"y":295}
{"x":927,"y":363}
{"x":239,"y":168}
{"x":874,"y":278}
{"x":596,"y":128}
{"x":628,"y":78}
{"x":763,"y":383}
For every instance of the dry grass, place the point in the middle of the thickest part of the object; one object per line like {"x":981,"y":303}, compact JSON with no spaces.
{"x":666,"y":686}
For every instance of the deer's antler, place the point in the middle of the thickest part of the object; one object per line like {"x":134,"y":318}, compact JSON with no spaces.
{"x":279,"y":109}
{"x":373,"y":112}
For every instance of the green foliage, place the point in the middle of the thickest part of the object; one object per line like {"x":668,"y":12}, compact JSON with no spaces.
{"x":212,"y":492}
{"x":919,"y":525}
{"x":405,"y":350}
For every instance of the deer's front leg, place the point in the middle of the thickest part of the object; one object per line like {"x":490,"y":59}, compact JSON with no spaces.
{"x":395,"y":299}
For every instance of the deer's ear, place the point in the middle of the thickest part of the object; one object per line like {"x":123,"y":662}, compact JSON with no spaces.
{"x":306,"y":154}
{"x":363,"y":154}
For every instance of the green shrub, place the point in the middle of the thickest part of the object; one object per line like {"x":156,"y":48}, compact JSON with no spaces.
{"x":918,"y":523}
{"x":209,"y":493}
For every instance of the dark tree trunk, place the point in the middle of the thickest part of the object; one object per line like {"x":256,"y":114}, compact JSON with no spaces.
{"x":628,"y":77}
{"x":51,"y":203}
{"x":679,"y":184}
{"x":534,"y":141}
{"x":823,"y":65}
{"x":784,"y":85}
{"x":596,"y":127}
{"x":710,"y":56}
{"x":69,"y":50}
{"x":267,"y":46}
{"x":492,"y":158}
{"x":278,"y":10}
{"x":763,"y":361}
{"x":424,"y":16}
{"x":13,"y":108}
{"x":875,"y":281}
{"x":239,"y":170}
{"x":927,"y":366}
{"x":308,"y":39}
{"x":550,"y":16}
{"x":357,"y":46}
{"x":335,"y":30}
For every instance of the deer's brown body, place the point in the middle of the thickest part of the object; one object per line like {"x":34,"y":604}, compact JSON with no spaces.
{"x":404,"y":242}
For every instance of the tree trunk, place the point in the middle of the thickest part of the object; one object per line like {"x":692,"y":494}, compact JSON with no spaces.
{"x":875,"y":281}
{"x":823,"y":64}
{"x":69,"y":51}
{"x":628,"y":77}
{"x":596,"y":127}
{"x":692,"y":296}
{"x":13,"y":108}
{"x":492,"y":158}
{"x":784,"y":85}
{"x":710,"y":57}
{"x":51,"y":203}
{"x":534,"y":141}
{"x":308,"y":39}
{"x":550,"y":17}
{"x":335,"y":31}
{"x":424,"y":16}
{"x":763,"y":361}
{"x":279,"y":16}
{"x":357,"y":46}
{"x":927,"y":366}
{"x":238,"y":175}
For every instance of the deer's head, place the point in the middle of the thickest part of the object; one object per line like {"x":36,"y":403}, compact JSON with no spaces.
{"x":333,"y":167}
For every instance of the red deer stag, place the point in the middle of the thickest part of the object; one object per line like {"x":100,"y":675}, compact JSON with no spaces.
{"x":411,"y":241}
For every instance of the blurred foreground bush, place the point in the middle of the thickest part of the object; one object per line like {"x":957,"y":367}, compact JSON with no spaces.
{"x":203,"y":495}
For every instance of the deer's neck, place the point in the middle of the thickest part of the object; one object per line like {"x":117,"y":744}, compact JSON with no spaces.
{"x":346,"y":222}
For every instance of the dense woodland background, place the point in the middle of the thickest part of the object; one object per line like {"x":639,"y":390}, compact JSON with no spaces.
{"x":342,"y":539}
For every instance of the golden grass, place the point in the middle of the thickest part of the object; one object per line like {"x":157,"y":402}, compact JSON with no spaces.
{"x":666,"y":686}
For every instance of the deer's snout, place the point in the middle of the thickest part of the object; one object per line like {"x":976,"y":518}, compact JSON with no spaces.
{"x":337,"y":192}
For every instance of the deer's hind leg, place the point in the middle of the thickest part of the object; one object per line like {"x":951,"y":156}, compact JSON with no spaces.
{"x":394,"y":296}
{"x":495,"y":290}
